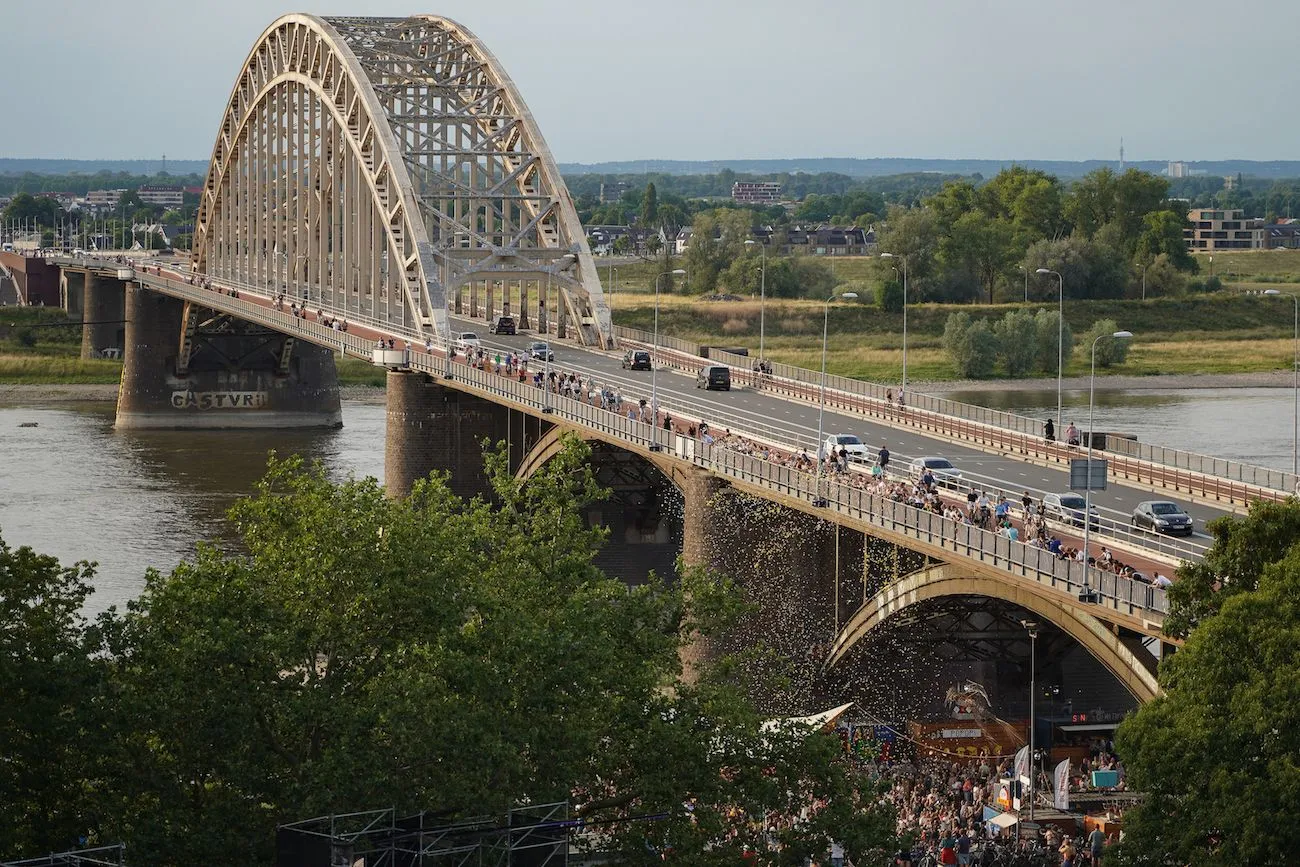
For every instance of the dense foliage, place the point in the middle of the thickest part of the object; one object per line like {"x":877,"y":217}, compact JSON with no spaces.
{"x":429,"y":654}
{"x":1215,"y":755}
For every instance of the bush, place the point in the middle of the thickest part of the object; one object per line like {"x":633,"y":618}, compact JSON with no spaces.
{"x":889,"y":296}
{"x":1109,"y":350}
{"x":972,"y":346}
{"x":1017,"y":341}
{"x":1213,"y":283}
{"x":1049,"y":331}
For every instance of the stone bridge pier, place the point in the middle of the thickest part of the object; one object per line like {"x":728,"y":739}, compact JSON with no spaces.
{"x":186,"y":367}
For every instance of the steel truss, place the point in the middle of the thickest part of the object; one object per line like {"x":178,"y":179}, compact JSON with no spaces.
{"x":534,"y":836}
{"x":972,"y":629}
{"x":99,"y":856}
{"x":374,"y":166}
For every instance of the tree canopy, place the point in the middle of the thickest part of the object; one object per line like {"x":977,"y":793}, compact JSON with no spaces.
{"x":1215,"y":754}
{"x":426,"y":653}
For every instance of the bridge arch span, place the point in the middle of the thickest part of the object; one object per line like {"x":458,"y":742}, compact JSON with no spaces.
{"x":367,"y":165}
{"x":946,"y":580}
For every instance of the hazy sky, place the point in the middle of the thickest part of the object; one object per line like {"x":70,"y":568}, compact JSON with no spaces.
{"x":717,"y":79}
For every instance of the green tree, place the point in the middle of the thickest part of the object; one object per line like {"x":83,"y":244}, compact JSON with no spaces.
{"x":914,"y":233}
{"x":1163,"y":279}
{"x":889,"y":296}
{"x":1214,"y":755}
{"x":983,"y":245}
{"x":971,"y":345}
{"x":1017,"y":337}
{"x":1110,"y":351}
{"x":1162,"y":235}
{"x":650,"y":207}
{"x":33,"y":210}
{"x":717,"y":240}
{"x":1089,"y":269}
{"x":52,"y":684}
{"x":1054,"y":341}
{"x":435,"y":654}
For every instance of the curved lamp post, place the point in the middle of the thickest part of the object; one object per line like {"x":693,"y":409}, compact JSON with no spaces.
{"x":762,"y":293}
{"x":1060,"y":338}
{"x":654,"y":361}
{"x":821,"y":409}
{"x":902,"y":390}
{"x":1295,"y":365}
{"x":1087,"y":493}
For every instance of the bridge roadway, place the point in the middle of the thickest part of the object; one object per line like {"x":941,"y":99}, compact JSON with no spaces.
{"x":1121,"y":601}
{"x":794,"y":422}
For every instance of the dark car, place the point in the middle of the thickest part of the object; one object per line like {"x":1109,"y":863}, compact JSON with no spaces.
{"x":503,"y":325}
{"x":1162,"y":516}
{"x":636,"y":359}
{"x":714,"y":377}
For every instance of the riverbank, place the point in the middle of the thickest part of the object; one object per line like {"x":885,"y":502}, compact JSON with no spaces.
{"x":27,"y":394}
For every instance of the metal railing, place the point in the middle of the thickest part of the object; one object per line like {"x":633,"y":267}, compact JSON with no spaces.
{"x":1067,"y":577}
{"x":1183,"y":472}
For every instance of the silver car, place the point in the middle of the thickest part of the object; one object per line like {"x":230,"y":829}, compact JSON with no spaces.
{"x":944,"y":472}
{"x":1068,"y":509}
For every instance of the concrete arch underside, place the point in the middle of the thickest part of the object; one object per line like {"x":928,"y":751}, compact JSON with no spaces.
{"x":946,"y":580}
{"x":366,"y":165}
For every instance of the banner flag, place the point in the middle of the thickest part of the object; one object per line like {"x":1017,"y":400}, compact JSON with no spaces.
{"x":1062,"y":780}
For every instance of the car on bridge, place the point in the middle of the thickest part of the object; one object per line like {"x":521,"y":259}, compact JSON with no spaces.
{"x":715,"y":376}
{"x":636,"y":359}
{"x":540,"y":350}
{"x":1162,"y":516}
{"x":1068,"y":509}
{"x":503,"y":325}
{"x":467,"y":342}
{"x":855,"y":449}
{"x":942,"y":469}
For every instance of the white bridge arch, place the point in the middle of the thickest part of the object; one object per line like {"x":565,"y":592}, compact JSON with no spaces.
{"x":373,"y":166}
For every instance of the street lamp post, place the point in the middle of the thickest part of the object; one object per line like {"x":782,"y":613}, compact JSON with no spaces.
{"x":1295,"y":367}
{"x":1032,"y":628}
{"x":821,"y":409}
{"x":1144,"y":280}
{"x":1060,"y":336}
{"x":902,"y":390}
{"x":762,"y":295}
{"x":654,"y":362}
{"x":1026,"y":270}
{"x":1087,"y":492}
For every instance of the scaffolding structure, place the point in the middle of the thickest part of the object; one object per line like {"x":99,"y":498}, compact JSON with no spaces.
{"x":99,"y":856}
{"x":529,"y":836}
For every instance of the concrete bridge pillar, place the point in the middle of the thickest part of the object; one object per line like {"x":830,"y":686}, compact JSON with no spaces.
{"x":72,"y":288}
{"x":490,"y":310}
{"x":523,"y":304}
{"x":103,"y":308}
{"x":434,"y":427}
{"x":704,"y":527}
{"x":189,"y":368}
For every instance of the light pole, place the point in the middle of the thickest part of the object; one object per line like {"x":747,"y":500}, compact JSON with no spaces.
{"x":654,"y":361}
{"x":1295,"y":366}
{"x":903,"y":390}
{"x":821,"y":409}
{"x":1026,"y":270}
{"x":1087,"y":492}
{"x":1144,"y":280}
{"x":762,"y":295}
{"x":1032,"y":628}
{"x":1060,"y":337}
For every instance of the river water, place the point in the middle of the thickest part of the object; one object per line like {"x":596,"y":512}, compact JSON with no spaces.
{"x":75,"y":488}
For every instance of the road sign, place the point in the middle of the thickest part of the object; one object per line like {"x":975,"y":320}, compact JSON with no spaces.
{"x":1082,"y":479}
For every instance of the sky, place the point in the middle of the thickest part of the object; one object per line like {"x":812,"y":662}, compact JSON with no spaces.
{"x":716,"y":79}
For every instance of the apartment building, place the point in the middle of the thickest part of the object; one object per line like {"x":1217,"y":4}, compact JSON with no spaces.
{"x":1219,"y":229}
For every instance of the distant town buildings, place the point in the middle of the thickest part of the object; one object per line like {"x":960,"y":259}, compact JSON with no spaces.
{"x":613,"y":191}
{"x":756,"y":192}
{"x":101,"y":199}
{"x":1229,"y":229}
{"x":164,"y":196}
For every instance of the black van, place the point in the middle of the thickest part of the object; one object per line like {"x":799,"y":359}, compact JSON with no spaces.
{"x":714,"y":377}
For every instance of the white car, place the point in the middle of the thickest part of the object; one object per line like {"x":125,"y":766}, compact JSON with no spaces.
{"x":849,"y":443}
{"x":941,"y":468}
{"x":467,"y":341}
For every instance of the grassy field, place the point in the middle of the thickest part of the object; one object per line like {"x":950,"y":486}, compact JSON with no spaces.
{"x":1271,"y":266}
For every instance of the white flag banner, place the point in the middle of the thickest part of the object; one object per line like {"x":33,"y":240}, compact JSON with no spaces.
{"x":1022,"y":763}
{"x":1062,"y":780}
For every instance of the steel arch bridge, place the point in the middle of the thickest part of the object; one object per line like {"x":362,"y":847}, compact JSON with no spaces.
{"x":374,"y":166}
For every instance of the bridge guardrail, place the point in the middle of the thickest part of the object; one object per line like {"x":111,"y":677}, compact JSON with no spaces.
{"x":862,"y":398}
{"x":1120,"y":594}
